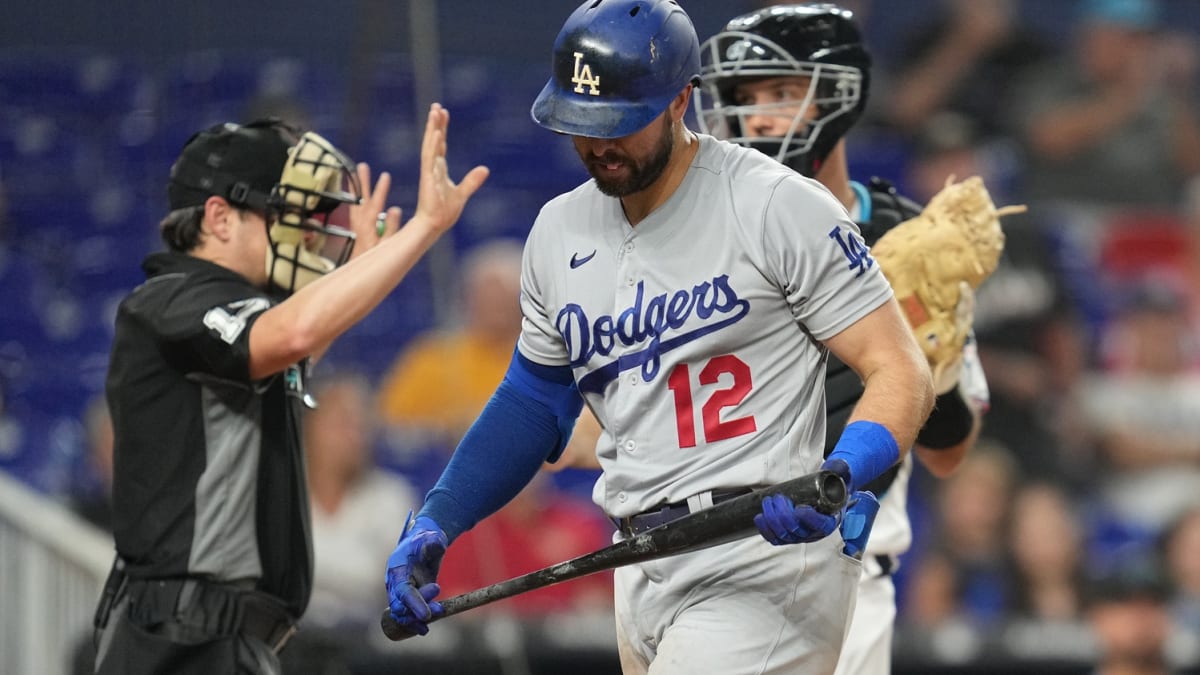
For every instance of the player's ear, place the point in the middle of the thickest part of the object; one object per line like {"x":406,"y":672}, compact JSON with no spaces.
{"x":679,"y":104}
{"x":217,"y":218}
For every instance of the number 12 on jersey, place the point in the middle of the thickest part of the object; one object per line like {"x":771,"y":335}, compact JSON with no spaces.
{"x":680,"y":384}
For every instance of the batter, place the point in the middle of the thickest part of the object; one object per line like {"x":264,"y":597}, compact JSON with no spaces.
{"x":678,"y":294}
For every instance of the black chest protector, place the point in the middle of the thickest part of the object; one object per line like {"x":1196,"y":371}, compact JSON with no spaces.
{"x":843,"y":387}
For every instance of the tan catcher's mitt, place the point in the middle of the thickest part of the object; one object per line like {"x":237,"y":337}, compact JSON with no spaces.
{"x":935,"y":261}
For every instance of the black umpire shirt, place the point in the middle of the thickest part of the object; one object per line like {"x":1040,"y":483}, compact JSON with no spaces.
{"x":209,"y":476}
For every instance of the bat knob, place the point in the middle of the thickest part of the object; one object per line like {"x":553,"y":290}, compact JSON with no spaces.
{"x":392,"y":629}
{"x":833,"y":492}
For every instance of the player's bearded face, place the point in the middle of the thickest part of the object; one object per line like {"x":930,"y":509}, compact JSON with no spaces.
{"x":616,"y":171}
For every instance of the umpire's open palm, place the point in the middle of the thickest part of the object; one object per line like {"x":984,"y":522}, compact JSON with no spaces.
{"x":440,"y":200}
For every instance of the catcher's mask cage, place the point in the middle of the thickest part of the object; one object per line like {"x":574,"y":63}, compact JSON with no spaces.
{"x":617,"y":65}
{"x":308,"y":214}
{"x":816,"y":42}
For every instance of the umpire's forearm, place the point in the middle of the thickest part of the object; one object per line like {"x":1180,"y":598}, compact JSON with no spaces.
{"x":326,"y":308}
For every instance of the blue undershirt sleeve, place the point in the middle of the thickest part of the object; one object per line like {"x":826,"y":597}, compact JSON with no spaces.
{"x":527,"y":421}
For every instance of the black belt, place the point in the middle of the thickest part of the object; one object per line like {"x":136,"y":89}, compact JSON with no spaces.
{"x":887,"y":564}
{"x":222,"y":609}
{"x":639,"y":523}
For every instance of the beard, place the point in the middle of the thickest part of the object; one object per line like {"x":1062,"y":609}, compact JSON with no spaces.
{"x":641,"y":174}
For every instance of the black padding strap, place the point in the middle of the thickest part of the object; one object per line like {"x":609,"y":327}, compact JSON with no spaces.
{"x":949,"y":424}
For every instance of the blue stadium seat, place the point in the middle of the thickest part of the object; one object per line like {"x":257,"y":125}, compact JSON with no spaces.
{"x":82,"y":85}
{"x":211,"y":86}
{"x":390,"y":87}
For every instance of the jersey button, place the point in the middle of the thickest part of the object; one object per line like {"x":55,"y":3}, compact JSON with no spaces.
{"x":621,"y":496}
{"x":630,"y":445}
{"x":628,"y":247}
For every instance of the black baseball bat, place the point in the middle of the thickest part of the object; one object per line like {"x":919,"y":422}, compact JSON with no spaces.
{"x":734,"y":519}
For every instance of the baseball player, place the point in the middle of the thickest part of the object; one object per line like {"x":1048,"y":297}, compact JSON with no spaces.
{"x":791,"y":81}
{"x":677,"y":293}
{"x":206,"y":386}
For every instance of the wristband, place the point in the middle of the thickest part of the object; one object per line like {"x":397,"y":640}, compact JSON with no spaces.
{"x":868,"y":448}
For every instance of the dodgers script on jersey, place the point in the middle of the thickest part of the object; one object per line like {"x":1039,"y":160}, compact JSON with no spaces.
{"x":695,"y":336}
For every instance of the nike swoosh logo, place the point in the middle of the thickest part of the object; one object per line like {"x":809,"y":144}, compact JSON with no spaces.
{"x":576,"y":261}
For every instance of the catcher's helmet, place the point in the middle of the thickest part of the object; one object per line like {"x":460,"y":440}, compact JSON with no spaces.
{"x":617,"y":65}
{"x":815,"y":41}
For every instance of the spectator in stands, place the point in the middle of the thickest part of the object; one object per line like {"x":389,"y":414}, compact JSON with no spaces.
{"x":439,"y":383}
{"x":951,"y":144}
{"x":1127,"y":612}
{"x":1046,"y":542}
{"x":967,"y":554}
{"x":964,"y":60}
{"x":540,"y":527}
{"x":1116,"y":125}
{"x":93,"y":498}
{"x":354,"y":504}
{"x":932,"y":593}
{"x":1028,"y":337}
{"x":1144,"y":409}
{"x":1181,"y":553}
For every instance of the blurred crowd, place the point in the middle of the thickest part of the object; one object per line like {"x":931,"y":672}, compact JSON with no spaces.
{"x":1072,"y":529}
{"x":1083,"y":489}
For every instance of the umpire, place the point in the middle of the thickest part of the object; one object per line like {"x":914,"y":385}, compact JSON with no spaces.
{"x":206,"y":387}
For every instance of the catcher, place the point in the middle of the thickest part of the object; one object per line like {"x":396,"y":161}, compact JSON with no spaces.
{"x":791,"y":81}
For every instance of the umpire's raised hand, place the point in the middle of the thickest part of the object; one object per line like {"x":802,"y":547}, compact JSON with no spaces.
{"x":440,"y":200}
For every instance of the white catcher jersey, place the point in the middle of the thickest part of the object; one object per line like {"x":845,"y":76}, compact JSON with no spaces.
{"x":694,"y":336}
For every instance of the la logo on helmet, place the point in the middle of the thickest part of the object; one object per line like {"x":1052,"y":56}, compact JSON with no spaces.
{"x":584,"y":76}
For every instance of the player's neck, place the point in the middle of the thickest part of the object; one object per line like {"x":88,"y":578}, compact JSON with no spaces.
{"x":641,"y":204}
{"x":835,"y":175}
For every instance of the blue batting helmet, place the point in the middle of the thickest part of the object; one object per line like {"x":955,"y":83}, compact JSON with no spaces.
{"x":617,"y":65}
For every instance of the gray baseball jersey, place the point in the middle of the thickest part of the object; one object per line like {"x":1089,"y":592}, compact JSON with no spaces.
{"x":695,"y":336}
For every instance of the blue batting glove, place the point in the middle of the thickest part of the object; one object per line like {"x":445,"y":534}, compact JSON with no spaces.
{"x":411,"y":577}
{"x":841,"y":468}
{"x":782,"y":522}
{"x":857,"y":522}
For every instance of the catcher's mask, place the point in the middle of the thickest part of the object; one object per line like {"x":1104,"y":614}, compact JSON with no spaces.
{"x":816,"y":42}
{"x":297,"y":182}
{"x":306,"y":218}
{"x":617,"y":66}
